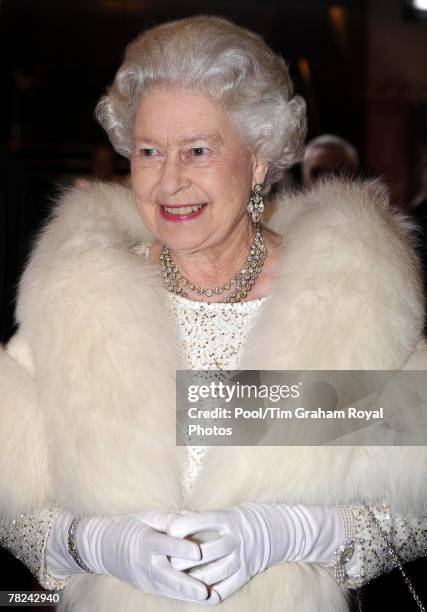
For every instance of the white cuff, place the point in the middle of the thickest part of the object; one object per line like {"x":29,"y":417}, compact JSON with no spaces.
{"x":59,"y":562}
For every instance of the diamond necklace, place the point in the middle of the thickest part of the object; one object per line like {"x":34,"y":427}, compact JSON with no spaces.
{"x":240,"y":284}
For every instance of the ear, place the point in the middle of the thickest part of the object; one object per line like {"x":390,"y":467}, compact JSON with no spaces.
{"x":259,"y":169}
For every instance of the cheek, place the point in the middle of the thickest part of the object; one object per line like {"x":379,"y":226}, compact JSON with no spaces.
{"x":139,"y":183}
{"x":237,"y":180}
{"x":235,"y":165}
{"x":239,"y":168}
{"x":141,"y":193}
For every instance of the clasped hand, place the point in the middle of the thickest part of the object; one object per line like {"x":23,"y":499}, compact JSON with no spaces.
{"x":241,"y":550}
{"x":251,"y":538}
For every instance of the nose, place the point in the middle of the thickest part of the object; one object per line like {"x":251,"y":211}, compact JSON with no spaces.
{"x":173,"y":176}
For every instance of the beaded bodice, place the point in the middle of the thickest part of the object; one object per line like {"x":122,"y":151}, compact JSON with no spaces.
{"x":212,"y":337}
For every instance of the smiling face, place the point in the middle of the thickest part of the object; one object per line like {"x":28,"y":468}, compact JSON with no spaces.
{"x":191,"y":172}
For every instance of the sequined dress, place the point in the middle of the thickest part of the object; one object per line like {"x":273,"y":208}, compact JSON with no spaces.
{"x":213,"y":336}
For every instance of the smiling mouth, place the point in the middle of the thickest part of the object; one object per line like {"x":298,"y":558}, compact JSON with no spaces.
{"x":183,"y":210}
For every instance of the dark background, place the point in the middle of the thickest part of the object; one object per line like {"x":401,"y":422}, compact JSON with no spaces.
{"x":361,"y":65}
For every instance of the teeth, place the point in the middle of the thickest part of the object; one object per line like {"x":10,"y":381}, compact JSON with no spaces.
{"x":182,"y":210}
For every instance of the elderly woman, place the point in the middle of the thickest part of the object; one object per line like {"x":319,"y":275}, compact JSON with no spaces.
{"x":125,"y":287}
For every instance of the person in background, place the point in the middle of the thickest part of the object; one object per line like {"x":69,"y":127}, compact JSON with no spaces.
{"x":328,"y":155}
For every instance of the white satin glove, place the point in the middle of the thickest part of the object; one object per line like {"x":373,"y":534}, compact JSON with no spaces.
{"x":254,"y":537}
{"x":126,"y":547}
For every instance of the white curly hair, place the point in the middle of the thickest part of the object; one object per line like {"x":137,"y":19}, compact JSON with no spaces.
{"x":229,"y":63}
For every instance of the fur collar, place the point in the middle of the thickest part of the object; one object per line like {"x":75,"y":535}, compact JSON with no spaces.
{"x":348,"y":293}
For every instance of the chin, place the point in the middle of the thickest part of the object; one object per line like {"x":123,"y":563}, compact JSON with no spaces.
{"x":185,"y":239}
{"x":188,"y":245}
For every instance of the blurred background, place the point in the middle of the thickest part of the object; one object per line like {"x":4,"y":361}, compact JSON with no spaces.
{"x":360,"y":64}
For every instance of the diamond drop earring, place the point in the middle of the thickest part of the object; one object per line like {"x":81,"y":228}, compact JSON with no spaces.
{"x":255,"y":205}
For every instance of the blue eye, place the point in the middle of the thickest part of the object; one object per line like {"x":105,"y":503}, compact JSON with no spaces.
{"x":148,"y":152}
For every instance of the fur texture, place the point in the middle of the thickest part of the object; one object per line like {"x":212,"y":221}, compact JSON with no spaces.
{"x":88,"y":383}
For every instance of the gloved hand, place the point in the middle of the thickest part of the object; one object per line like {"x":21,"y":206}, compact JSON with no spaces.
{"x":126,"y":547}
{"x":256,"y":536}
